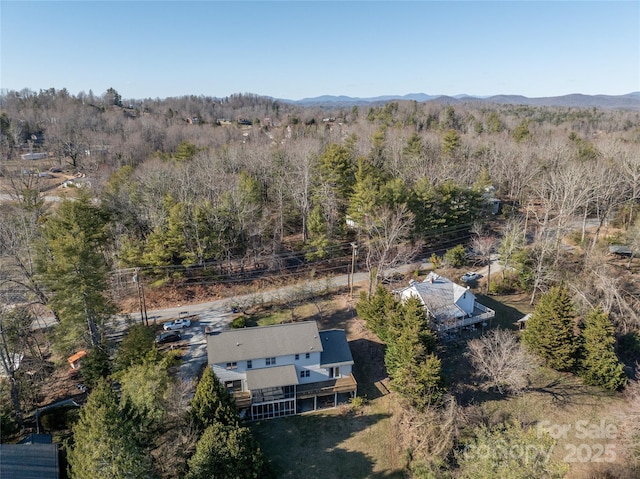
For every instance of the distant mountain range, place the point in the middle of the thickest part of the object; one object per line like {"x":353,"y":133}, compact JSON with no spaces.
{"x":630,"y":101}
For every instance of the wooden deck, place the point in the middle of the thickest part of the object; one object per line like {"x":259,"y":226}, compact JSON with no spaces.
{"x":305,"y":391}
{"x":334,"y":386}
{"x":242,"y":398}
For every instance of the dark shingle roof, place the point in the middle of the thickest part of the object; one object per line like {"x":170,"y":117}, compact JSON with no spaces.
{"x":272,"y":377}
{"x":29,"y":461}
{"x":335,"y":348}
{"x":263,"y":342}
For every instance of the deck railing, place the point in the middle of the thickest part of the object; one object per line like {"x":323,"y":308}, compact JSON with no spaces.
{"x":480,"y":314}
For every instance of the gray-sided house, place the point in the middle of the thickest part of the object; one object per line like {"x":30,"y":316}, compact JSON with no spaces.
{"x":285,"y":369}
{"x":449,"y":305}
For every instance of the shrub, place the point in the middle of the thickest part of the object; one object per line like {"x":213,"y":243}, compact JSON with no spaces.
{"x":95,"y":366}
{"x":357,"y":403}
{"x":135,"y":346}
{"x":435,"y":260}
{"x":8,"y":424}
{"x":455,"y":257}
{"x":508,"y":285}
{"x":239,"y":322}
{"x":58,"y":419}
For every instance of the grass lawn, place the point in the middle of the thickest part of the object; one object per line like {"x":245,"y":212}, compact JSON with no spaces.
{"x":334,"y":444}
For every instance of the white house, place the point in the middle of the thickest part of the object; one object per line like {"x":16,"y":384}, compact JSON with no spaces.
{"x":449,"y":305}
{"x":284,"y":369}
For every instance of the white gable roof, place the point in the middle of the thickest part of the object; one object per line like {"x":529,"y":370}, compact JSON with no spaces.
{"x":443,"y":298}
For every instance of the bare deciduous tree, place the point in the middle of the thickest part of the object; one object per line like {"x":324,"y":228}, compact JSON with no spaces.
{"x":485,"y":246}
{"x":501,"y":359}
{"x":385,"y":237}
{"x":512,"y":241}
{"x":428,"y":434}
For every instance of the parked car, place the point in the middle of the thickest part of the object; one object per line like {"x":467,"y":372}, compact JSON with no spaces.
{"x":168,"y":337}
{"x":176,"y":324}
{"x":470,"y":277}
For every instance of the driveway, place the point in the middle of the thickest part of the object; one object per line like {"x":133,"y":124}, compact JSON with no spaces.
{"x":216,"y":316}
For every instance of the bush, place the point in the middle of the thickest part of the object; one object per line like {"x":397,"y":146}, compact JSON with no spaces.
{"x":435,"y":260}
{"x":8,"y":424}
{"x":135,"y":346}
{"x":59,"y":419}
{"x":509,"y":285}
{"x":357,"y":402}
{"x":455,"y":257}
{"x":239,"y":322}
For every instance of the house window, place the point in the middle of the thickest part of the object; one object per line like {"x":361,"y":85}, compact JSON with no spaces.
{"x":304,"y":374}
{"x":233,"y":386}
{"x":297,"y":357}
{"x":308,"y":355}
{"x":232,"y":365}
{"x":249,"y":364}
{"x":270,"y":361}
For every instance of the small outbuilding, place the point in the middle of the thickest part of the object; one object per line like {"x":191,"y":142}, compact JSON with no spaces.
{"x":74,"y":361}
{"x":522,"y":322}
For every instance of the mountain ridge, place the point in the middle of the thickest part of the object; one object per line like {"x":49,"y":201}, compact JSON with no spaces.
{"x":628,"y":101}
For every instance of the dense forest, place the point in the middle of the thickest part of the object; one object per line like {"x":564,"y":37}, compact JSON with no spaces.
{"x":205,"y":189}
{"x":258,"y":183}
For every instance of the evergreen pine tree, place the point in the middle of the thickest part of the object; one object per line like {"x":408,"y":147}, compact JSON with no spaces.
{"x":212,"y":403}
{"x":319,"y":242}
{"x":599,"y":365}
{"x":104,"y":441}
{"x":550,"y":330}
{"x":228,"y":452}
{"x":72,"y":264}
{"x":379,"y":311}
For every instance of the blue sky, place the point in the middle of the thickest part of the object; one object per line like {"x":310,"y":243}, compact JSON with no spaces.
{"x":298,"y":49}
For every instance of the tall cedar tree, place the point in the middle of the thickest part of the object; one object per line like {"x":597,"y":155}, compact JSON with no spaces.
{"x":228,"y":452}
{"x":379,"y":312}
{"x":414,"y":369}
{"x":335,"y":182}
{"x":550,"y":331}
{"x":212,"y":404}
{"x":72,"y":265}
{"x":599,"y":365}
{"x":104,"y":441}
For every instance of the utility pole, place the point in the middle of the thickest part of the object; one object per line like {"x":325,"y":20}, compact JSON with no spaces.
{"x":141,"y":299}
{"x":354,"y":252}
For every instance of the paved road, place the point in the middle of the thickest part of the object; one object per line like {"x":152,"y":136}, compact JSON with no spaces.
{"x":47,"y":198}
{"x":215,"y":316}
